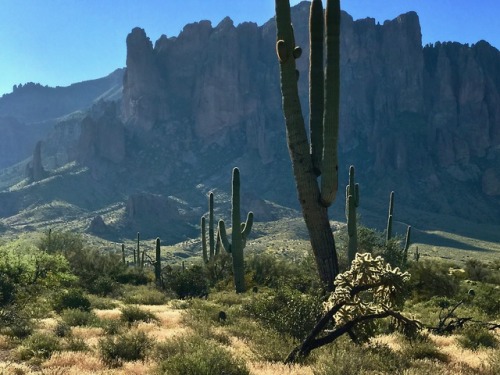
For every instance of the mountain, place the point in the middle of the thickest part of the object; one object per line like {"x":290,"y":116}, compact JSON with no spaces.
{"x":423,"y":121}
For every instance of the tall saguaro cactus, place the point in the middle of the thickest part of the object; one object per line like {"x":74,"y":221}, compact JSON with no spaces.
{"x":388,"y":231}
{"x":158,"y":262}
{"x":239,"y":234}
{"x":351,"y":203}
{"x":309,"y":161}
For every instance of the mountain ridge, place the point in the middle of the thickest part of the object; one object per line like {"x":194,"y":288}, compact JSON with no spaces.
{"x":422,"y":121}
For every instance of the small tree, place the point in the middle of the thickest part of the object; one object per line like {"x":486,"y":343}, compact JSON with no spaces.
{"x":369,"y":290}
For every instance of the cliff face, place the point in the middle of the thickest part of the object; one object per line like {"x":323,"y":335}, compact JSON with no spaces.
{"x":424,"y":121}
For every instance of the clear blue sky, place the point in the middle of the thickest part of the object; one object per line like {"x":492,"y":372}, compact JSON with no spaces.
{"x":59,"y":42}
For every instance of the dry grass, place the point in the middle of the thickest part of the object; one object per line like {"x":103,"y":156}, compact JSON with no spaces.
{"x":170,"y":324}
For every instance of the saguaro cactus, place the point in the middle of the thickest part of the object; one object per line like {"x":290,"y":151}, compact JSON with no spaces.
{"x":319,"y":158}
{"x":208,"y":254}
{"x":352,"y":202}
{"x":388,"y":230}
{"x":239,"y":234}
{"x":158,"y":262}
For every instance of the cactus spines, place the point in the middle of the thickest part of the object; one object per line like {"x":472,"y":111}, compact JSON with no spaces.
{"x":239,"y":234}
{"x":389,"y":218}
{"x":352,"y":202}
{"x":158,"y":262}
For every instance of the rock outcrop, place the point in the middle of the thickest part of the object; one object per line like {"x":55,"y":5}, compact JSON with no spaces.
{"x":419,"y":119}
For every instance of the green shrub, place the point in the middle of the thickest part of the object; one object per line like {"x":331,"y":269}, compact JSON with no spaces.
{"x":15,"y":323}
{"x":487,"y":299}
{"x":62,"y":329}
{"x":345,"y":358}
{"x":476,"y":270}
{"x":111,"y":326}
{"x":191,"y":282}
{"x":133,"y":314}
{"x":135,"y":276}
{"x":195,"y":355}
{"x":269,"y":270}
{"x":76,"y":344}
{"x":71,"y":299}
{"x":39,"y":345}
{"x":474,"y":336}
{"x":423,"y":348}
{"x":144,"y":295}
{"x":286,"y":310}
{"x":77,"y":317}
{"x":132,"y":346}
{"x":432,"y":278}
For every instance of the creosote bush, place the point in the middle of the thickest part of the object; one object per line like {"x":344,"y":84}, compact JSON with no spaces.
{"x":132,"y":346}
{"x":190,"y":282}
{"x":474,"y":336}
{"x":286,"y":310}
{"x":195,"y":355}
{"x":73,"y":298}
{"x":133,"y":314}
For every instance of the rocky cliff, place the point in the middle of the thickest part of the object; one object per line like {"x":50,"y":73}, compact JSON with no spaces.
{"x":421,"y":120}
{"x":424,"y":121}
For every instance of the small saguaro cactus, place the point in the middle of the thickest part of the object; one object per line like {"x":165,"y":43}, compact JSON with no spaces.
{"x":158,"y":262}
{"x":389,"y":218}
{"x":123,"y":254}
{"x":352,"y":202}
{"x":208,"y":254}
{"x":239,"y":235}
{"x":389,"y":230}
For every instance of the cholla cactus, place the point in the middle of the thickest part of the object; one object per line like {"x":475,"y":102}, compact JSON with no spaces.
{"x":355,"y":315}
{"x":366,"y":274}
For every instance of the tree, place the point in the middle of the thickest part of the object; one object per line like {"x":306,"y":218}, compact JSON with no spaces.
{"x":369,"y":290}
{"x":319,"y":158}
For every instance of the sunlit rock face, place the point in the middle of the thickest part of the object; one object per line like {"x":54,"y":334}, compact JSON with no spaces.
{"x":417,"y":114}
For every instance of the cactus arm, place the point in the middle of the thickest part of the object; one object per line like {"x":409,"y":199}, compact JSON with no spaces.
{"x":407,"y":244}
{"x":247,"y":225}
{"x":316,"y":83}
{"x":223,"y":236}
{"x":329,"y":179}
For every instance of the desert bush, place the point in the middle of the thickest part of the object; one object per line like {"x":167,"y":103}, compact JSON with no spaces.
{"x":195,"y":355}
{"x":131,"y":346}
{"x":269,"y":270}
{"x":432,"y":278}
{"x":75,"y":344}
{"x":135,"y":276}
{"x":474,"y":336}
{"x":476,"y":270}
{"x":487,"y":299}
{"x":15,"y":322}
{"x":71,"y":299}
{"x":133,"y":314}
{"x":38,"y":345}
{"x":77,"y":317}
{"x":345,"y":358}
{"x":111,"y":326}
{"x":191,"y":282}
{"x":144,"y":295}
{"x":422,"y":347}
{"x":62,"y":329}
{"x":286,"y":310}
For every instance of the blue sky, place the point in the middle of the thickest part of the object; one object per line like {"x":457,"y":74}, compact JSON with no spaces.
{"x":59,"y":42}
